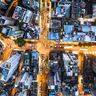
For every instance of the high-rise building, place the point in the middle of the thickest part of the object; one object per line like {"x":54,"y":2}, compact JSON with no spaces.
{"x":70,"y":64}
{"x":8,"y":67}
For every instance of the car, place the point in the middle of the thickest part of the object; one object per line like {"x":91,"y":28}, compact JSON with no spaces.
{"x":44,"y":60}
{"x":47,"y":9}
{"x":77,"y":92}
{"x":86,"y":89}
{"x":48,"y":4}
{"x":58,"y":46}
{"x":47,"y":21}
{"x":51,"y":46}
{"x":42,"y":5}
{"x":40,"y":80}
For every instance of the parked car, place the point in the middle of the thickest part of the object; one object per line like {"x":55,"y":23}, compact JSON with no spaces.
{"x":86,"y":89}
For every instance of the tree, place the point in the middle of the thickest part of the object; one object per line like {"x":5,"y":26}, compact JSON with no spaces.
{"x":20,"y":24}
{"x":31,"y":42}
{"x":85,"y":44}
{"x":89,"y":44}
{"x":4,"y":35}
{"x":80,"y":44}
{"x":20,"y":41}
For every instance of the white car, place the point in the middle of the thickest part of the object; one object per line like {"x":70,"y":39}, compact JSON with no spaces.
{"x":77,"y":92}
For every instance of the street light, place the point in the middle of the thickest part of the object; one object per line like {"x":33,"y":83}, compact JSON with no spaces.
{"x":83,"y":49}
{"x":75,"y":52}
{"x":92,"y":52}
{"x":87,"y":52}
{"x":68,"y":47}
{"x":84,"y":52}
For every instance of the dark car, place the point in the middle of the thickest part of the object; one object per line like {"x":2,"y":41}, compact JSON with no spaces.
{"x":47,"y":9}
{"x":86,"y":89}
{"x":47,"y":21}
{"x":48,"y":4}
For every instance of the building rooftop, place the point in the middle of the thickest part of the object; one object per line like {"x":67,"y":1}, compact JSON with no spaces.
{"x":31,"y":3}
{"x":55,"y":23}
{"x":28,"y":16}
{"x":2,"y":5}
{"x":19,"y":13}
{"x":9,"y":66}
{"x":84,"y":33}
{"x":54,"y":36}
{"x":22,"y":14}
{"x":66,"y":57}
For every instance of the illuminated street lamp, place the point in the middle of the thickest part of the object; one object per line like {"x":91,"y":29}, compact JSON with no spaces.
{"x":92,"y":52}
{"x":83,"y":49}
{"x":75,"y":52}
{"x":68,"y":47}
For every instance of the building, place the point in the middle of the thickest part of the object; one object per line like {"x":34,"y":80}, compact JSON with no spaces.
{"x":88,"y":73}
{"x":17,"y":34}
{"x":12,"y":31}
{"x":19,"y":13}
{"x":1,"y":12}
{"x":32,"y":32}
{"x":23,"y":93}
{"x":89,"y":9}
{"x":94,"y":66}
{"x":2,"y":5}
{"x":28,"y":75}
{"x":56,"y":24}
{"x":22,"y":14}
{"x":70,"y":64}
{"x":70,"y":83}
{"x":9,"y":67}
{"x":54,"y":30}
{"x":1,"y":48}
{"x":55,"y":0}
{"x":28,"y":16}
{"x":6,"y":21}
{"x":54,"y":78}
{"x":78,"y":9}
{"x":31,"y":4}
{"x":18,"y":81}
{"x":79,"y":33}
{"x":26,"y":82}
{"x":62,"y":9}
{"x":23,"y":79}
{"x":94,"y":11}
